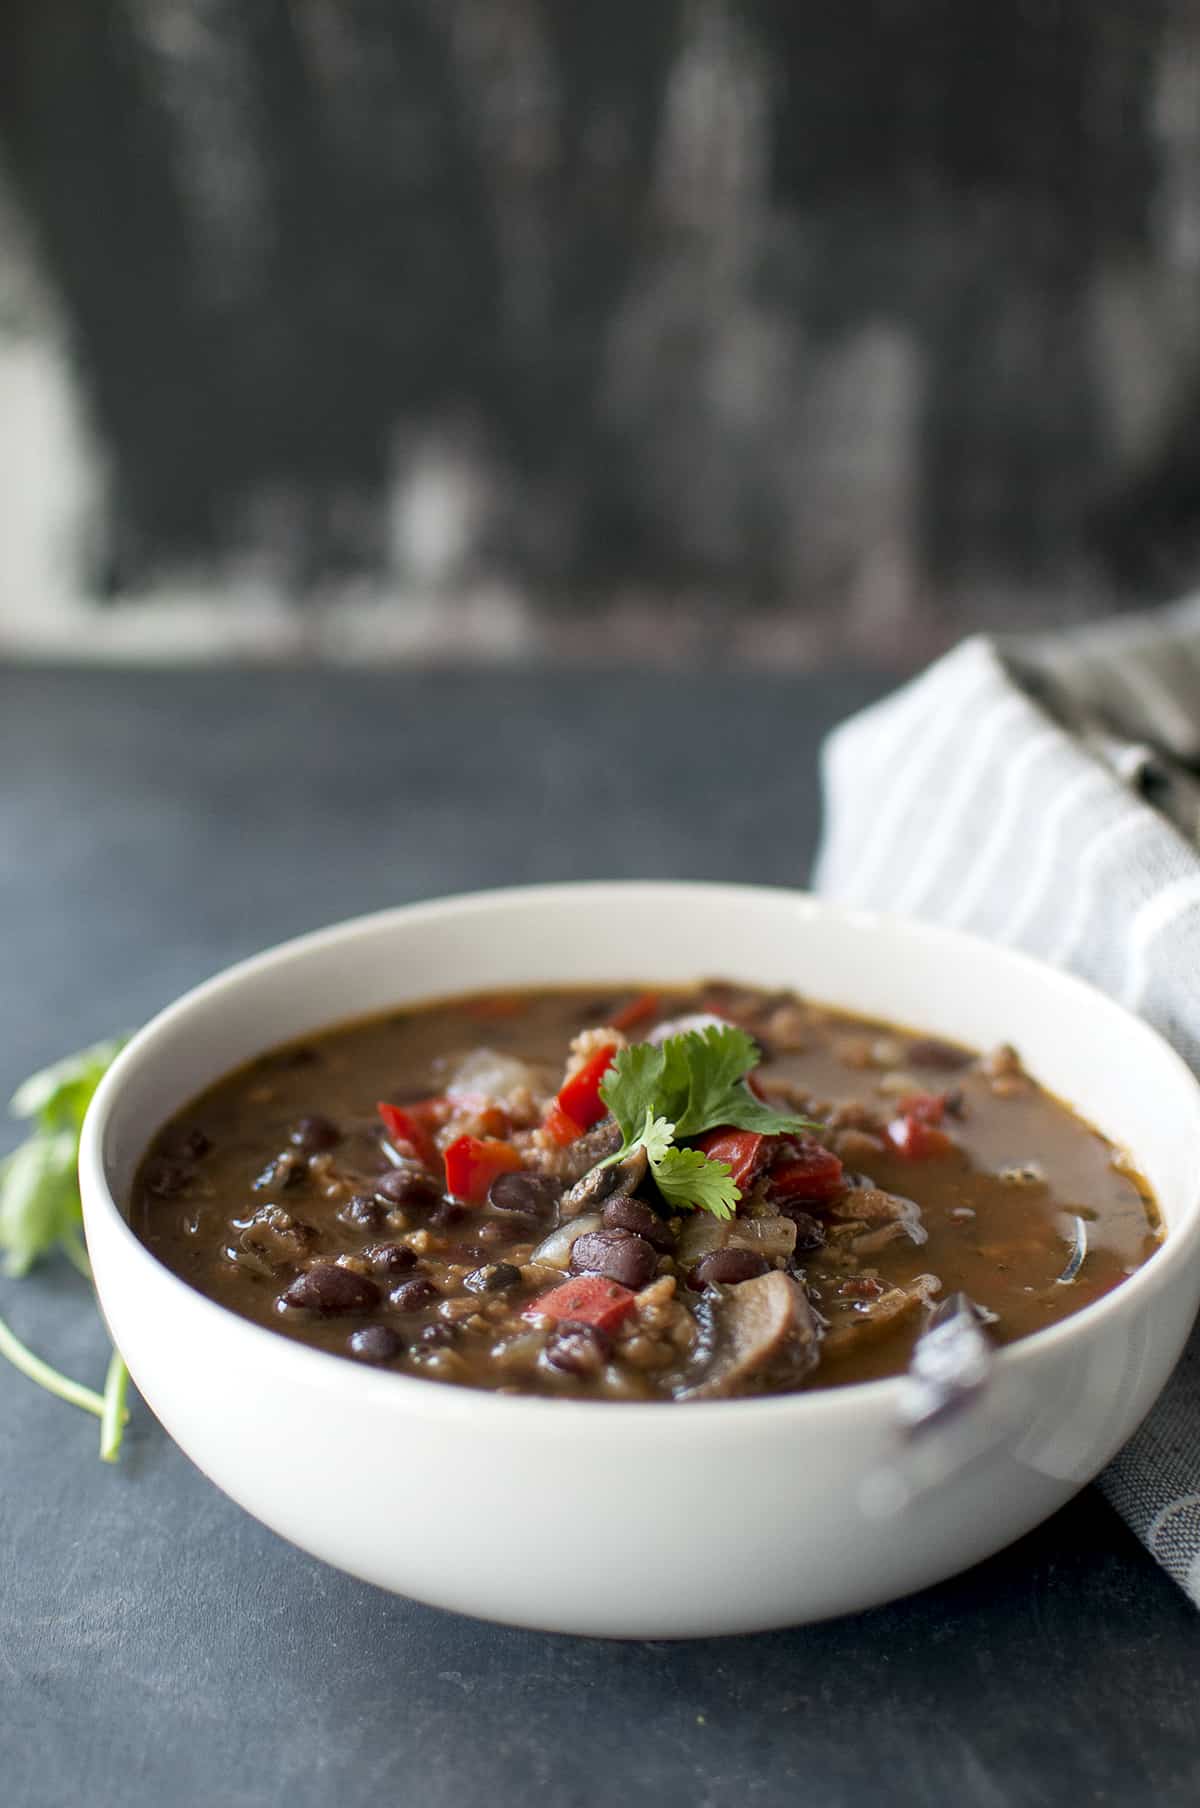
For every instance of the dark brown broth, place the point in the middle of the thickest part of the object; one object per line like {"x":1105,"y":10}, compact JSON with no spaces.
{"x":1001,"y":1242}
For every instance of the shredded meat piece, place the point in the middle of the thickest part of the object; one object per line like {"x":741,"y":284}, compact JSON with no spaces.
{"x":871,"y":1205}
{"x":857,"y":1148}
{"x":873,"y":1317}
{"x":871,"y":1241}
{"x":596,"y":1184}
{"x":571,"y":1163}
{"x":273,"y":1237}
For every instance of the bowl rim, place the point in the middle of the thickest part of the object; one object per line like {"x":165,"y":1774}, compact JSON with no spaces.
{"x":429,"y":1398}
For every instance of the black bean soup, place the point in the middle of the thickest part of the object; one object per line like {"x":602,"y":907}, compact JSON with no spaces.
{"x":442,"y":1191}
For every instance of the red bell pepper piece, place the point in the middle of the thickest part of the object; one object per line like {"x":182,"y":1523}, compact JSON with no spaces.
{"x":746,"y":1151}
{"x":558,"y":1126}
{"x":590,"y":1300}
{"x":916,"y":1139}
{"x":860,"y":1286}
{"x":806,"y":1171}
{"x":579,"y":1096}
{"x":638,"y":1010}
{"x":410,"y":1128}
{"x":473,"y":1162}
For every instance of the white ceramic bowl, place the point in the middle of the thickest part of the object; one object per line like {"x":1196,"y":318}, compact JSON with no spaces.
{"x":646,"y":1520}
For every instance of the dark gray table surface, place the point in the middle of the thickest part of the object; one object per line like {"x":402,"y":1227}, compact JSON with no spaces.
{"x":159,"y":1647}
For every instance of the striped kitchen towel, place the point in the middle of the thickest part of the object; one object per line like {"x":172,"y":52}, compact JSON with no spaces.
{"x":1040,"y":791}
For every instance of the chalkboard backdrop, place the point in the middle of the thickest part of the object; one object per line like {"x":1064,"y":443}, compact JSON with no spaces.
{"x":878,"y":318}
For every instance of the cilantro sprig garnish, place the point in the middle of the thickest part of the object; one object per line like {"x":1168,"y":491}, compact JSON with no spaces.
{"x":40,"y":1213}
{"x":663,"y":1093}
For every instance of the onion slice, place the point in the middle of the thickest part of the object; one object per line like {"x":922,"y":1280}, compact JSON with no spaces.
{"x":1077,"y":1256}
{"x":554,"y":1251}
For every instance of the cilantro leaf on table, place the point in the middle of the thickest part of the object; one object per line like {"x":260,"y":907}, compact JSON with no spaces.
{"x":39,"y":1189}
{"x":39,"y":1199}
{"x":662,"y":1094}
{"x":40,"y":1212}
{"x":58,"y":1096}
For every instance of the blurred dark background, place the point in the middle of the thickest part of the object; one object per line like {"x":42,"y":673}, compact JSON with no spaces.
{"x":410,"y":328}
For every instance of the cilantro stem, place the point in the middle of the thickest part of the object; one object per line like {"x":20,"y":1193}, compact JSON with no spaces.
{"x":76,"y":1254}
{"x":55,"y":1383}
{"x":114,"y":1414}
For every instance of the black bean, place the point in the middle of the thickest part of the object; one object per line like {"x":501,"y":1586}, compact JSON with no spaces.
{"x":314,"y":1133}
{"x":724,"y":1267}
{"x":809,"y":1234}
{"x":408,"y":1185}
{"x":390,"y":1258}
{"x":616,"y":1254}
{"x":527,"y":1195}
{"x":631,"y":1214}
{"x":448,"y":1211}
{"x":376,"y":1343}
{"x":329,"y":1290}
{"x":363,"y":1212}
{"x":413,"y":1295}
{"x":578,"y":1349}
{"x":493,"y":1278}
{"x":166,"y":1178}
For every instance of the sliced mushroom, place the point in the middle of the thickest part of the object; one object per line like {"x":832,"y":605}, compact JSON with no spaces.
{"x":764,"y":1331}
{"x":623,"y":1178}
